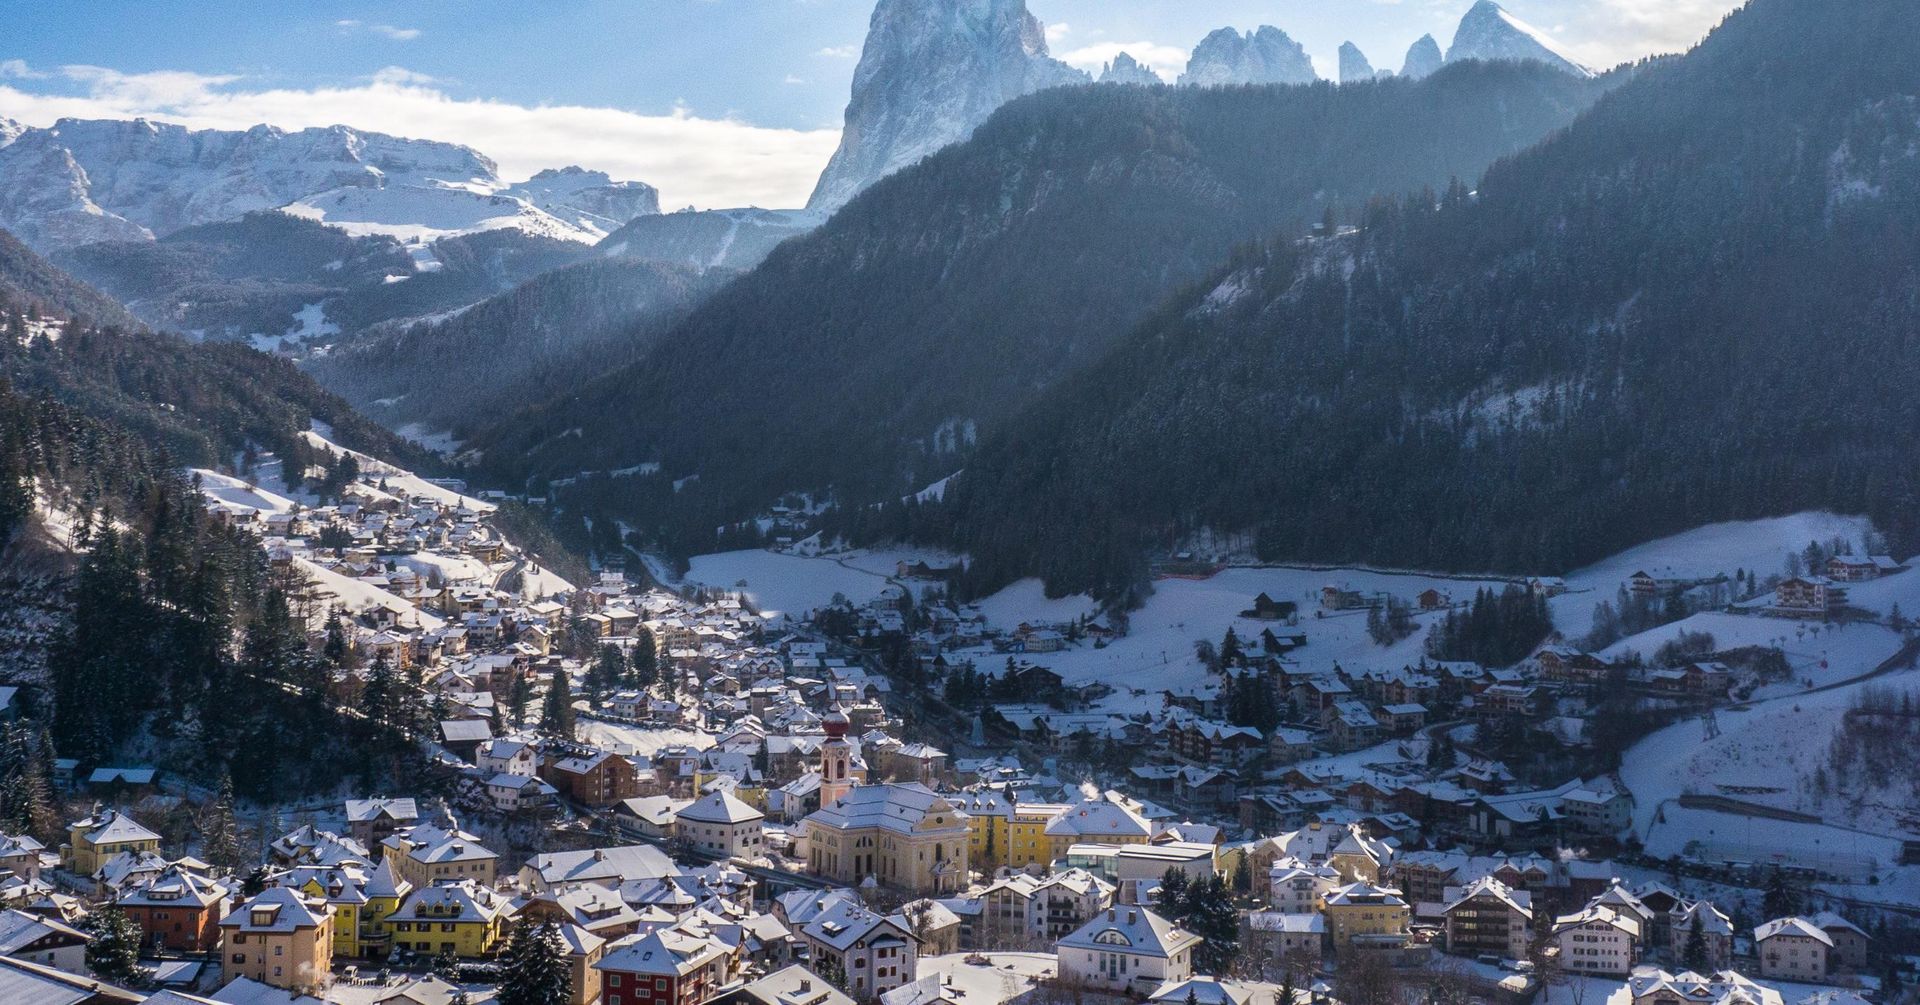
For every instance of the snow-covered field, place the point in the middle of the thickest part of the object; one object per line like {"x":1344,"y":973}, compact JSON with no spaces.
{"x":238,"y":492}
{"x":1158,"y":650}
{"x":777,"y":583}
{"x":401,"y":481}
{"x":1754,"y":545}
{"x":452,"y":568}
{"x":642,"y":740}
{"x":356,"y":596}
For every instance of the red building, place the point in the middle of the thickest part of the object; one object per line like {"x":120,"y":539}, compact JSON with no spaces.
{"x":178,"y":911}
{"x":668,"y":967}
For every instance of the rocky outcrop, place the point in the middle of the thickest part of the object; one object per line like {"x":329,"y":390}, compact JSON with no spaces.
{"x":1126,"y":70}
{"x":1265,"y":56}
{"x":933,"y":70}
{"x":1423,"y":57}
{"x":1354,"y":66}
{"x":1489,"y":32}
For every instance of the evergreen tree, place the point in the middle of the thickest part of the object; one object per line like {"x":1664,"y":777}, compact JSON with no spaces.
{"x":113,"y":955}
{"x":220,"y":830}
{"x":536,"y":970}
{"x":556,"y":711}
{"x":446,"y":966}
{"x":1172,"y":901}
{"x":1694,"y":957}
{"x":643,"y":659}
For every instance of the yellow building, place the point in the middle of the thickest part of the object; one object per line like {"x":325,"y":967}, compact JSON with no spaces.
{"x":1366,"y":916}
{"x":1096,"y":821}
{"x":904,"y":836}
{"x":425,"y":855}
{"x":987,"y":815}
{"x":463,"y":917}
{"x":1027,"y":841}
{"x":282,"y":938}
{"x":361,"y":897}
{"x":91,"y":842}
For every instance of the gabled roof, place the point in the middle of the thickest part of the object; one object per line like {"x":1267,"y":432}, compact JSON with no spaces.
{"x":114,"y":827}
{"x":721,"y":807}
{"x":1132,"y":930}
{"x":846,"y":922}
{"x":1799,"y":927}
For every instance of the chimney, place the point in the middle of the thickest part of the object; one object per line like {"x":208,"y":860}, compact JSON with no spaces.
{"x":805,"y":986}
{"x":1133,"y":917}
{"x":1110,"y":914}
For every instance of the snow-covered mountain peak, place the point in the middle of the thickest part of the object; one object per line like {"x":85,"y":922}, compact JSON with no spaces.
{"x":931,"y":71}
{"x":132,"y":179}
{"x":1264,"y":56}
{"x":1489,"y":31}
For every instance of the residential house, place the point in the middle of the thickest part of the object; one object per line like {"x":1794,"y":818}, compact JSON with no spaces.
{"x":47,"y":941}
{"x":101,"y":836}
{"x":1597,"y":941}
{"x":464,"y":917}
{"x":1487,"y":917}
{"x":428,"y":854}
{"x":281,"y":937}
{"x":1792,"y":949}
{"x":1364,"y":916}
{"x":372,"y":821}
{"x":665,"y":967}
{"x":720,"y":824}
{"x":177,"y":911}
{"x":876,"y":953}
{"x":590,"y":777}
{"x":1126,"y":950}
{"x":1716,"y":934}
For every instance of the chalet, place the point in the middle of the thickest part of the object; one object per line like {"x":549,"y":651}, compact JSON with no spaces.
{"x":1793,"y":949}
{"x":1857,"y":569}
{"x":1808,"y":596}
{"x":1266,"y":608}
{"x":589,"y":776}
{"x":1507,"y":701}
{"x":1571,"y":665}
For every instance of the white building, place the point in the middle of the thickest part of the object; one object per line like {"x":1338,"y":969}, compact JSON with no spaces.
{"x":1598,"y":940}
{"x":1298,"y":888}
{"x":719,"y":823}
{"x":1792,"y":949}
{"x":1126,"y":949}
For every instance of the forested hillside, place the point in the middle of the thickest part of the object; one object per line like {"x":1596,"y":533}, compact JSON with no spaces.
{"x":957,"y":291}
{"x":1699,"y":303}
{"x":156,"y":628}
{"x":532,"y":343}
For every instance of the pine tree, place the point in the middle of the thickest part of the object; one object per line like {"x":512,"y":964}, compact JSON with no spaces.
{"x":220,"y":831}
{"x":556,"y":711}
{"x":1173,"y":899}
{"x":536,"y":968}
{"x":1695,"y":954}
{"x":446,"y":966}
{"x":114,"y":954}
{"x":643,"y":658}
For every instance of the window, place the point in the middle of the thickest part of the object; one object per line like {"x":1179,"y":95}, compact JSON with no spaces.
{"x":239,"y":957}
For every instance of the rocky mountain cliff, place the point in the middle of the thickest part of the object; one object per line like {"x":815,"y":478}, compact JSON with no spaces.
{"x":933,"y":70}
{"x":1264,"y":56}
{"x":1354,"y":66}
{"x":1126,"y":70}
{"x":1423,"y":57}
{"x":1489,"y":32}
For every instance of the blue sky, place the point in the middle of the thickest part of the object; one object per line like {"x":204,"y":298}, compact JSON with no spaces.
{"x":719,"y":102}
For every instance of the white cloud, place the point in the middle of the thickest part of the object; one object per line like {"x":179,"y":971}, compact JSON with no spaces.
{"x":704,"y":162}
{"x":1058,"y":32}
{"x":840,"y":52}
{"x":349,"y":25}
{"x":1166,"y":60}
{"x":18,"y":68}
